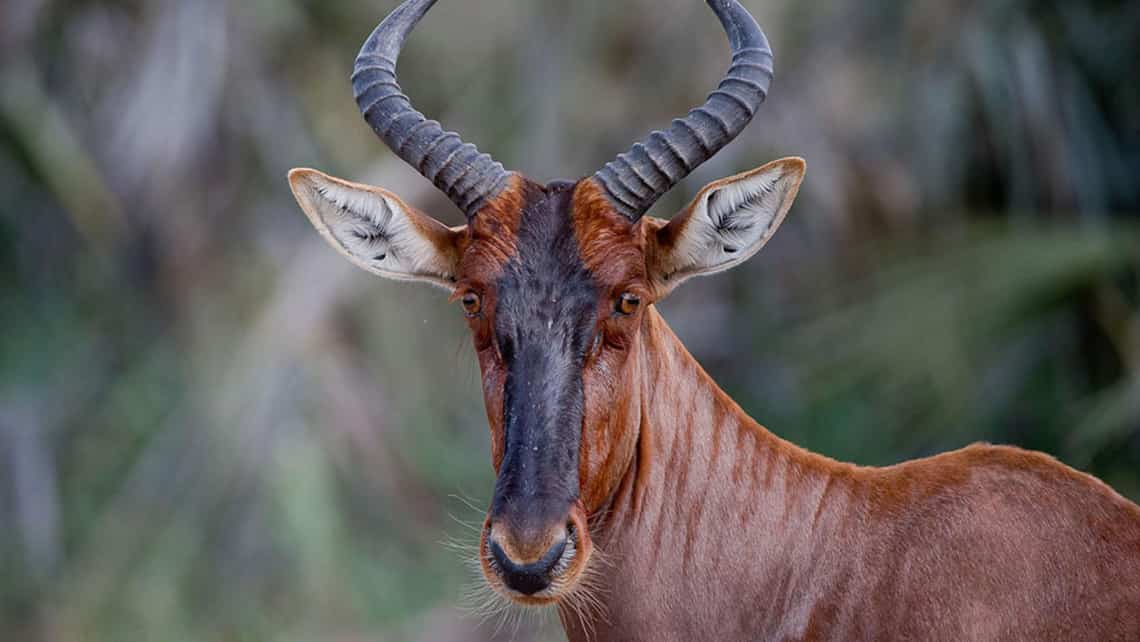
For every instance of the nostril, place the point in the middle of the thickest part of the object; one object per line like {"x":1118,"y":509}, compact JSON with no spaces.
{"x":531,"y":578}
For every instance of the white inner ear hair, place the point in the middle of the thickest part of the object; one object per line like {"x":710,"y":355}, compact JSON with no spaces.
{"x":743,"y":213}
{"x":374,"y":229}
{"x":731,"y":223}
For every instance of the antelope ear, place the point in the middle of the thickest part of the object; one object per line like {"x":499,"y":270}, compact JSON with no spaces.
{"x":376,"y":230}
{"x":728,"y":222}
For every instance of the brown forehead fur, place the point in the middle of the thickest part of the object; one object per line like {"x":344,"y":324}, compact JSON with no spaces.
{"x":611,"y":248}
{"x":492,"y":234}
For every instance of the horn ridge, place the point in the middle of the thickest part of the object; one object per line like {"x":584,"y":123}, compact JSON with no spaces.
{"x":420,"y":142}
{"x":665,"y":157}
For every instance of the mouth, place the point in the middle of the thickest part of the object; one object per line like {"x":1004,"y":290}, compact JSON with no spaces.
{"x":562,"y":577}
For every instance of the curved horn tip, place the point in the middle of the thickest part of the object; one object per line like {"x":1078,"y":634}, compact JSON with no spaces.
{"x":420,"y":142}
{"x":705,"y":130}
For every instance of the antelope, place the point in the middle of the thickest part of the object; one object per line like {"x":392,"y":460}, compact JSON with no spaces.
{"x":627,"y":480}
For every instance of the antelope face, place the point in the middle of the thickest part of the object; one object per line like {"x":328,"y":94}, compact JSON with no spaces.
{"x":554,"y":281}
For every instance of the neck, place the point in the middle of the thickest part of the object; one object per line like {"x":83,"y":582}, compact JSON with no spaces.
{"x":713,"y":509}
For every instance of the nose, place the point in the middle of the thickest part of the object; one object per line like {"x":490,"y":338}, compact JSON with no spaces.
{"x":527,"y":565}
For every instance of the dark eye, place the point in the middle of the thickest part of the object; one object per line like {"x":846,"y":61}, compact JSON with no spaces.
{"x":627,"y":303}
{"x":472,"y":304}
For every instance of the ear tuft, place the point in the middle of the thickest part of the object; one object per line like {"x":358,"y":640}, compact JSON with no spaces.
{"x":728,"y":222}
{"x":375,"y":230}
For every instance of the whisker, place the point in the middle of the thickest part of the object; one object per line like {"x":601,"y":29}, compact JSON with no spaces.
{"x":471,"y":526}
{"x":469,"y":502}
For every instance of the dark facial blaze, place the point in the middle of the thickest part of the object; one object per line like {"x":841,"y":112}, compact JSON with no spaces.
{"x":543,"y":311}
{"x":544,"y":323}
{"x":544,"y":268}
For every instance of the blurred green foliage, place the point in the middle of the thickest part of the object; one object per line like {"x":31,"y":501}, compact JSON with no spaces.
{"x":212,"y":428}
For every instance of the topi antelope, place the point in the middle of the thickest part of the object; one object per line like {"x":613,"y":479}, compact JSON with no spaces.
{"x":607,"y":435}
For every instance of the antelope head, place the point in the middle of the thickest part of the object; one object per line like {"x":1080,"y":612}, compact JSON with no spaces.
{"x":556,"y":282}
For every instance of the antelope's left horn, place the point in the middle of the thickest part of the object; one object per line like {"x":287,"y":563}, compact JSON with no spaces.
{"x":637,"y":178}
{"x":458,"y":169}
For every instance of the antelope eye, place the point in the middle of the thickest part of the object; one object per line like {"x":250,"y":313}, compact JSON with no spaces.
{"x":472,"y":304}
{"x":627,"y":303}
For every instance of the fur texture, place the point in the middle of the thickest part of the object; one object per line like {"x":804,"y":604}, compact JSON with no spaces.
{"x":638,"y":498}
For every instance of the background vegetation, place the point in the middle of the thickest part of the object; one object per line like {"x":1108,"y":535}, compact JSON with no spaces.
{"x":214,"y":428}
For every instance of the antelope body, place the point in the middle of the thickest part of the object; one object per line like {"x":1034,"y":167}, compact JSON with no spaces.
{"x":632,"y":493}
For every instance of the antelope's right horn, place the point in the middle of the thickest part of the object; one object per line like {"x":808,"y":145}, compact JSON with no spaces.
{"x":458,"y":169}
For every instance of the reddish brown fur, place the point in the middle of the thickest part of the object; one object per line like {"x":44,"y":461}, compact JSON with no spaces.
{"x":612,"y":251}
{"x":487,"y":246}
{"x":720,"y":530}
{"x":714,"y":528}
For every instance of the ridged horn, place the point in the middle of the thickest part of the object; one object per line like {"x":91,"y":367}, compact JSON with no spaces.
{"x":637,"y":178}
{"x":458,"y":169}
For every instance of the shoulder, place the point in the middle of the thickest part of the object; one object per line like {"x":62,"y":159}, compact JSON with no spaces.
{"x":988,"y":474}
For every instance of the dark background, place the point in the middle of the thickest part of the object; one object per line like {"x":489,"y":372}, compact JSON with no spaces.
{"x":212,"y":427}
